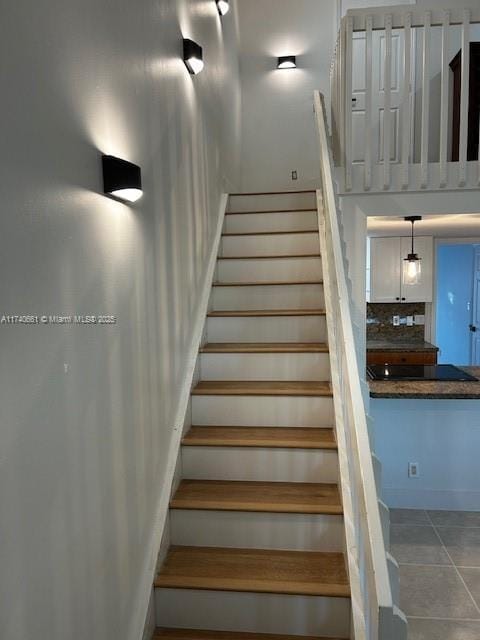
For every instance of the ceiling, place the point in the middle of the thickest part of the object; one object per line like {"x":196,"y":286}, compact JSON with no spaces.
{"x":458,"y":225}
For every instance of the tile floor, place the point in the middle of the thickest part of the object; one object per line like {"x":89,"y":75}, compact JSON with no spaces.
{"x":439,"y":557}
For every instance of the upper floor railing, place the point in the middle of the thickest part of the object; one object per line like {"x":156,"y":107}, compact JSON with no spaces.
{"x":374,"y":614}
{"x":405,"y":90}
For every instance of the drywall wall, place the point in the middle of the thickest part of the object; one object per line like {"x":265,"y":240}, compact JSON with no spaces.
{"x":278,"y":132}
{"x":87,"y":411}
{"x":443,"y":437}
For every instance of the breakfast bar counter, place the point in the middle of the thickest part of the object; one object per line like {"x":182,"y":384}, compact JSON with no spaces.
{"x":427,"y":389}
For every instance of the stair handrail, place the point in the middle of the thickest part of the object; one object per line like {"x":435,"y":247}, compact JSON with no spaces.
{"x":374,"y":614}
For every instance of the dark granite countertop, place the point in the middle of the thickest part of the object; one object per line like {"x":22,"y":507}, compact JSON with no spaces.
{"x":390,"y":345}
{"x":427,"y":389}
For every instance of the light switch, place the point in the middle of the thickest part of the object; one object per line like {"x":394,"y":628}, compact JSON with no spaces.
{"x":409,"y":321}
{"x":396,"y":321}
{"x":419,"y":319}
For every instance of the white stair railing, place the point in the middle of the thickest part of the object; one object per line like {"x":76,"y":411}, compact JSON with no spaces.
{"x":394,"y":127}
{"x":374,"y":614}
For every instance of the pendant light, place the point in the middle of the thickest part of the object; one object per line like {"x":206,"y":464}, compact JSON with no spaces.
{"x":412,"y":267}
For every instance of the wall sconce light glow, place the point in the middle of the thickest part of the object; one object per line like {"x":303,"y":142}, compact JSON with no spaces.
{"x":287,"y":62}
{"x":121,"y":179}
{"x":192,"y":56}
{"x":223,"y":7}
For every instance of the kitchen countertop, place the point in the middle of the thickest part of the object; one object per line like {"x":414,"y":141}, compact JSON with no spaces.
{"x":427,"y":389}
{"x":389,"y":345}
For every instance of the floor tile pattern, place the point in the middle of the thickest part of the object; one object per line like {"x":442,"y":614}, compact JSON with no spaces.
{"x":439,"y":557}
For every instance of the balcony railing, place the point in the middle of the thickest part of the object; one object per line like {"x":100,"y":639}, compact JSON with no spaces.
{"x":405,"y":88}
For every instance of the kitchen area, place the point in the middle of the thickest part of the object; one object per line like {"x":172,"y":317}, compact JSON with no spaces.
{"x":410,"y":298}
{"x":423,"y":375}
{"x":425,"y":409}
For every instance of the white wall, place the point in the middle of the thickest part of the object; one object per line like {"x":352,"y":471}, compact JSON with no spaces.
{"x":443,"y":437}
{"x":278,"y":133}
{"x":87,"y":412}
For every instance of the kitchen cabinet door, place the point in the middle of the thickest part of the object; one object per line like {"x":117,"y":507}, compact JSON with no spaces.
{"x":385,"y":274}
{"x":423,"y":291}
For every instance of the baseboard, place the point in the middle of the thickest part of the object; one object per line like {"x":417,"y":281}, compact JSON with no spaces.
{"x":140,"y":621}
{"x":432,"y":499}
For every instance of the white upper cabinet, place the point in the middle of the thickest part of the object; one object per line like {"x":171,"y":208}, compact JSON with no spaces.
{"x":386,"y":270}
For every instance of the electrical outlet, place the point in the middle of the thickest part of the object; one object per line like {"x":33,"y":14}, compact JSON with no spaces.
{"x":396,"y":321}
{"x":409,"y":321}
{"x":418,"y":319}
{"x":413,"y":470}
{"x":294,"y":175}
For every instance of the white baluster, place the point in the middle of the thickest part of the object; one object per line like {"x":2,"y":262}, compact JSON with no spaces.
{"x":406,"y":106}
{"x":387,"y":89}
{"x":464,"y":99}
{"x":444,"y":101}
{"x":348,"y":105}
{"x":368,"y":103}
{"x":425,"y":101}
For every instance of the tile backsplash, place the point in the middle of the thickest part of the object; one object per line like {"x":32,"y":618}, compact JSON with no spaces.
{"x":380,"y":322}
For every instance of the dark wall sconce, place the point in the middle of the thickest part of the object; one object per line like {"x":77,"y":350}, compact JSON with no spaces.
{"x":121,"y":179}
{"x":192,"y":56}
{"x":287,"y":62}
{"x":223,"y":7}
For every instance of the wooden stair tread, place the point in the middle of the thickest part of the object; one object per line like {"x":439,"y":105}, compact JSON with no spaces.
{"x":262,"y":388}
{"x":273,"y":283}
{"x":279,"y":437}
{"x":202,"y":634}
{"x":264,"y":347}
{"x":260,"y":313}
{"x":293,"y":210}
{"x":272,"y":193}
{"x":268,"y":233}
{"x":272,"y":497}
{"x":277,"y":257}
{"x":255,"y":570}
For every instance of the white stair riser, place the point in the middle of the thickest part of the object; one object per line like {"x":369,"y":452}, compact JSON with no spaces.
{"x":270,"y":245}
{"x":270,"y":201}
{"x":301,"y":296}
{"x":283,"y":270}
{"x":265,"y":366}
{"x":267,"y":329}
{"x":252,"y":612}
{"x":284,"y":221}
{"x":250,"y":530}
{"x":263,"y":411}
{"x":260,"y":464}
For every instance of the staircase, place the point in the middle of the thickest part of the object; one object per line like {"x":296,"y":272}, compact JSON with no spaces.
{"x":256,"y":521}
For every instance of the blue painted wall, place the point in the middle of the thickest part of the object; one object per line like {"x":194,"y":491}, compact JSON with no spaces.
{"x":454,"y":300}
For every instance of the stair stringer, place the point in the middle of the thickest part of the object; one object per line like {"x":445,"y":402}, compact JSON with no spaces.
{"x":383,"y":508}
{"x":357,"y":628}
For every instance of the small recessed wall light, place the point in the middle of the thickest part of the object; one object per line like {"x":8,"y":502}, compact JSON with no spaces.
{"x":223,"y":7}
{"x":121,"y":179}
{"x":192,"y":56}
{"x":287,"y":62}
